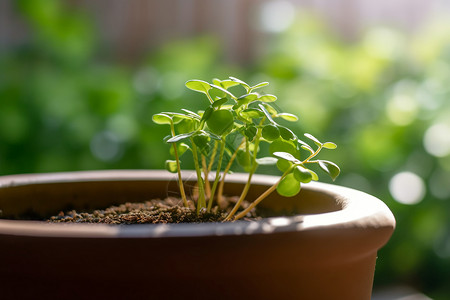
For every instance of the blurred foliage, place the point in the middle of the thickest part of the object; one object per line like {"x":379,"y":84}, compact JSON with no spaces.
{"x":383,"y":99}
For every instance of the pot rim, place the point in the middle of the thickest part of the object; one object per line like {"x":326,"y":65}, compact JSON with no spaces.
{"x":359,"y":210}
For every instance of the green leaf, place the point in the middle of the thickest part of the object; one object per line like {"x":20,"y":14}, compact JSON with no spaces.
{"x":191,"y":114}
{"x":207,"y":114}
{"x":270,"y":132}
{"x":171,"y":166}
{"x":288,"y":117}
{"x":272,"y":111}
{"x":181,"y":149}
{"x":260,"y":85}
{"x":307,"y":148}
{"x":286,"y":156}
{"x":283,"y":146}
{"x":162,"y":119}
{"x":198,"y":85}
{"x":250,"y":132}
{"x":283,"y":165}
{"x":314,"y":175}
{"x":218,"y":103}
{"x":302,"y":174}
{"x":268,"y":98}
{"x":330,"y":168}
{"x":220,"y":122}
{"x":244,"y":84}
{"x":252,"y":113}
{"x":223,"y":90}
{"x":286,"y":133}
{"x":243,"y":158}
{"x":226,"y":84}
{"x":268,"y":115}
{"x":202,"y":142}
{"x":185,"y":126}
{"x":312,"y":138}
{"x":266,"y":161}
{"x":330,"y":145}
{"x":288,"y":186}
{"x":180,"y":137}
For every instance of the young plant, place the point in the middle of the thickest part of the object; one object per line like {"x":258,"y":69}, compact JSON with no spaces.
{"x":250,"y":118}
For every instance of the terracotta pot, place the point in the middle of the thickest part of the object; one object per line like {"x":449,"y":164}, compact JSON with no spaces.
{"x":327,"y":251}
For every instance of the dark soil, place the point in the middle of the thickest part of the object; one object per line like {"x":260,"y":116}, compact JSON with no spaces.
{"x":169,"y":210}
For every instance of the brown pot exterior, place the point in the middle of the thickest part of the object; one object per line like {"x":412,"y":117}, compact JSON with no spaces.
{"x":327,"y":251}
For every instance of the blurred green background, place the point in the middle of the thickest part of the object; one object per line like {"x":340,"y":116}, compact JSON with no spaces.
{"x":68,"y":101}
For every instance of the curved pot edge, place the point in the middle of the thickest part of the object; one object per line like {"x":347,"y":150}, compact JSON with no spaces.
{"x":360,"y":210}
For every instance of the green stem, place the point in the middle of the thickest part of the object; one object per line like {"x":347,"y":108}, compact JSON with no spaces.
{"x":206,"y":176}
{"x":201,"y":203}
{"x":216,"y":179}
{"x":250,"y":174}
{"x":262,"y":196}
{"x":177,"y":159}
{"x":225,"y":172}
{"x":312,"y":155}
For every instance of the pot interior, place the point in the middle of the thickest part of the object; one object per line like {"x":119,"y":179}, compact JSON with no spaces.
{"x":41,"y":199}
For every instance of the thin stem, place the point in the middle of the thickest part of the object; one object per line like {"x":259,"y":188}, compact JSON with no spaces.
{"x":250,"y":174}
{"x":216,"y":179}
{"x":206,"y":175}
{"x":201,"y":203}
{"x":261,"y":197}
{"x":177,"y":159}
{"x":312,"y":155}
{"x":225,"y":172}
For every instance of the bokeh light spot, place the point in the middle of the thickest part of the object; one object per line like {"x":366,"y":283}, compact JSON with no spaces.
{"x":277,"y":16}
{"x":437,"y":140}
{"x":407,"y":188}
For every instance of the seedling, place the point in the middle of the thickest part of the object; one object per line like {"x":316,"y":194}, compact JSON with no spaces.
{"x":232,"y":126}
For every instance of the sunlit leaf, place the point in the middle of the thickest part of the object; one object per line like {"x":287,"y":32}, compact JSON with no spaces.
{"x":302,"y":174}
{"x":260,"y":85}
{"x":223,"y":90}
{"x":267,"y":98}
{"x":288,"y":117}
{"x":181,"y":149}
{"x":218,"y":103}
{"x":330,"y":168}
{"x":252,"y":113}
{"x":180,"y":137}
{"x":198,"y":86}
{"x":289,"y":186}
{"x":286,"y":156}
{"x":315,"y":140}
{"x":162,"y":119}
{"x":244,"y":84}
{"x":283,"y":146}
{"x":171,"y":166}
{"x":227,"y":83}
{"x":191,"y":113}
{"x":266,"y":161}
{"x":330,"y":145}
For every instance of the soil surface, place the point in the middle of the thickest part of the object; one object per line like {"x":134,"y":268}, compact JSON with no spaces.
{"x":169,"y":210}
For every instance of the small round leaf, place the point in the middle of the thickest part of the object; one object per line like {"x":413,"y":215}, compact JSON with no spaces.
{"x":330,"y":168}
{"x":220,"y":122}
{"x":286,"y":133}
{"x":171,"y":166}
{"x":289,"y":186}
{"x":302,"y":174}
{"x":283,"y":165}
{"x":270,"y":132}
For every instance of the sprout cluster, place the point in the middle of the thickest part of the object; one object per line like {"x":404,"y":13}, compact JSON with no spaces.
{"x":249,"y":118}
